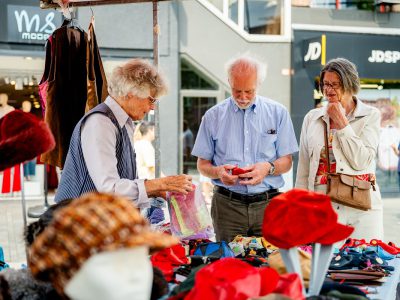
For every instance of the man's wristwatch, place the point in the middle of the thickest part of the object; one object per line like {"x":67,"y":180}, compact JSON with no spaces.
{"x":272,"y":169}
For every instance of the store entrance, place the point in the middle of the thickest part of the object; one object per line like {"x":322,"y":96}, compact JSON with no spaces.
{"x":193,"y":110}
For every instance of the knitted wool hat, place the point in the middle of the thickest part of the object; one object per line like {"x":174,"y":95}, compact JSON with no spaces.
{"x":91,"y":224}
{"x":302,"y":217}
{"x":22,"y":137}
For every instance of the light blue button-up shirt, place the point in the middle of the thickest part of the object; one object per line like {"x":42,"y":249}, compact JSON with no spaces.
{"x":261,"y":133}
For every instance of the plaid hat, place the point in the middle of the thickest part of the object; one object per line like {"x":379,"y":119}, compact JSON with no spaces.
{"x":91,"y":224}
{"x":301,"y":217}
{"x":22,"y":137}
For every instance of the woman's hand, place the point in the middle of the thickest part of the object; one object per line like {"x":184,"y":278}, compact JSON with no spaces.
{"x":337,"y":114}
{"x":178,"y":183}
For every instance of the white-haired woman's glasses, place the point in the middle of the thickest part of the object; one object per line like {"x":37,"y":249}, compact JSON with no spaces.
{"x":153,"y":100}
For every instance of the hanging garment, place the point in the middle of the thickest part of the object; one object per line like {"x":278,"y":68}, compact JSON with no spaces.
{"x":16,"y":182}
{"x":97,"y":82}
{"x":43,"y":84}
{"x":67,"y":89}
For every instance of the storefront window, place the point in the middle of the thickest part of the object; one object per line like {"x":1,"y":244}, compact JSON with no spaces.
{"x":192,"y":79}
{"x":193,"y":110}
{"x":348,"y":4}
{"x":198,"y":94}
{"x":257,"y":17}
{"x":260,"y":16}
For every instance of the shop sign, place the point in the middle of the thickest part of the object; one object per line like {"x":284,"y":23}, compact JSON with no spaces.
{"x":314,"y":51}
{"x":376,"y":56}
{"x":28,"y":24}
{"x":388,"y":57}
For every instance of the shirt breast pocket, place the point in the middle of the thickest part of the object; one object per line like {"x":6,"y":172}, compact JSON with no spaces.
{"x":267,"y":146}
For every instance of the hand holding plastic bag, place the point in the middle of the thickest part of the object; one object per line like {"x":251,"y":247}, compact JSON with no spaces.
{"x":189,"y":215}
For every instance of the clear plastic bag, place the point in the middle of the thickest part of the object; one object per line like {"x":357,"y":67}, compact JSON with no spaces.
{"x":190,"y":218}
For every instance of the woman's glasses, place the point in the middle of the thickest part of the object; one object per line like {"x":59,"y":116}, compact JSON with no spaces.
{"x":153,"y":100}
{"x":331,"y":85}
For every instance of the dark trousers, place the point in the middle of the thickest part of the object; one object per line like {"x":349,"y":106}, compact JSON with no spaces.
{"x":231,"y":217}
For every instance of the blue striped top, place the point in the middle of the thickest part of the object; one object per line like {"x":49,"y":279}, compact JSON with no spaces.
{"x":75,"y":178}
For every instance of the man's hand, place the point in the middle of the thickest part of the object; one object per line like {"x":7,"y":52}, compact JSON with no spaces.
{"x":178,"y":183}
{"x":223,"y":173}
{"x":256,"y":174}
{"x":338,"y":115}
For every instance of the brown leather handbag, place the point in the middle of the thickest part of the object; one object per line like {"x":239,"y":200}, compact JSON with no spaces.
{"x":347,"y":189}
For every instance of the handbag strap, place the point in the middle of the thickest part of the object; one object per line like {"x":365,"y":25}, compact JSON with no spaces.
{"x":326,"y":145}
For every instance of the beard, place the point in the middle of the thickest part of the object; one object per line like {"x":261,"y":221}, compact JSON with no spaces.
{"x":244,"y":103}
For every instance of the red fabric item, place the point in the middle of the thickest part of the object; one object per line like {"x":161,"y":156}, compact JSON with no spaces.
{"x":52,"y":179}
{"x":6,"y":185}
{"x":392,"y":250}
{"x":22,"y":137}
{"x":302,"y":217}
{"x":169,"y":258}
{"x":232,"y":279}
{"x":290,"y":285}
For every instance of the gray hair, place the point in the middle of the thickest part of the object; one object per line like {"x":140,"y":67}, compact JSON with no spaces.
{"x":138,"y":77}
{"x":245,"y":64}
{"x":347,"y":72}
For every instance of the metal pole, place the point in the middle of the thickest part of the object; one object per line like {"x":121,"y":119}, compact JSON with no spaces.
{"x":21,"y":166}
{"x":156,"y":111}
{"x":23,"y":203}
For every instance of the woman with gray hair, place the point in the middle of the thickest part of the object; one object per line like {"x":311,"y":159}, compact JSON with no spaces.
{"x":101,"y":156}
{"x":352,"y":131}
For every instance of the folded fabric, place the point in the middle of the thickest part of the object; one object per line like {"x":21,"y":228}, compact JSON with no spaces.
{"x":360,"y":275}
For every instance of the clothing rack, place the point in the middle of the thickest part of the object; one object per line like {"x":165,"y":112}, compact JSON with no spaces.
{"x":46,"y":4}
{"x":76,"y":3}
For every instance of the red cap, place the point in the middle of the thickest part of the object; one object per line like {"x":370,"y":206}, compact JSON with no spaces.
{"x":301,"y":217}
{"x":22,"y":137}
{"x":232,"y":279}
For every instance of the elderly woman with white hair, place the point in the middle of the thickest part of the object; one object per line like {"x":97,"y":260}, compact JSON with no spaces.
{"x":101,"y":157}
{"x":352,"y":136}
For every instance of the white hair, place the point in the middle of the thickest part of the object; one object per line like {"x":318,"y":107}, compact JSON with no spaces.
{"x":244,"y":64}
{"x":138,"y":77}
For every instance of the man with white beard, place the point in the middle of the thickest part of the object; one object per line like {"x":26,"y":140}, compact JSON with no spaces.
{"x":244,"y":144}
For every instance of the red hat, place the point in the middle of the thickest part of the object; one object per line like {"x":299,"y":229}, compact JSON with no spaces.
{"x":300,"y":217}
{"x":232,"y":279}
{"x":22,"y":137}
